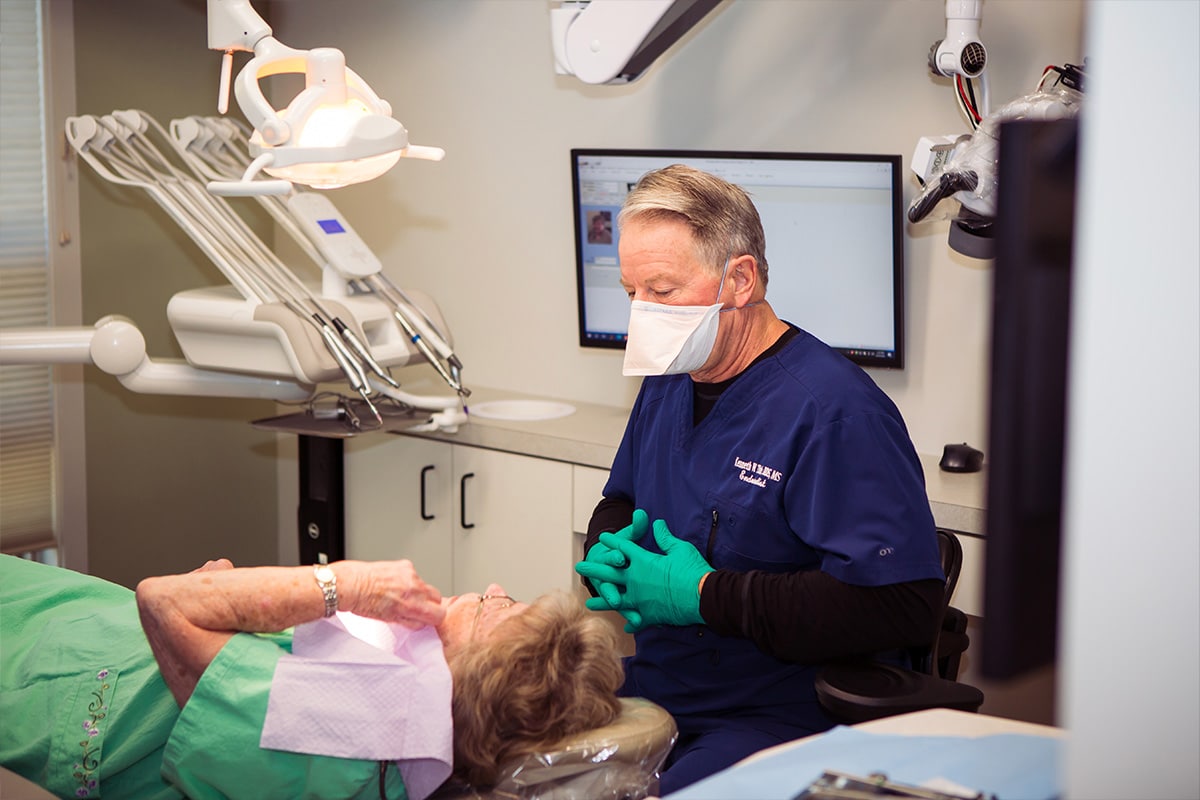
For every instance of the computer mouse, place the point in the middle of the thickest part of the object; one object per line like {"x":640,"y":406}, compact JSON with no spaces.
{"x":961,"y":458}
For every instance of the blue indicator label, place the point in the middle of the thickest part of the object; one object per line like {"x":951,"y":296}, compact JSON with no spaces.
{"x":331,"y":226}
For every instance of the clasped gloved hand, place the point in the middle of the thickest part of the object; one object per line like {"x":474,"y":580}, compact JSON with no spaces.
{"x":611,"y":561}
{"x":662,"y":589}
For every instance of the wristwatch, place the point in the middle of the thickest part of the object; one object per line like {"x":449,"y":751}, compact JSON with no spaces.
{"x":328,"y":583}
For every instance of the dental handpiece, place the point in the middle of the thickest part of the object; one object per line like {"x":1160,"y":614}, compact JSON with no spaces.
{"x":358,"y":347}
{"x":425,"y":349}
{"x":351,"y":369}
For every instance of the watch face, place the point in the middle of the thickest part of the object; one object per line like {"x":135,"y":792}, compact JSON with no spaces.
{"x":325,"y":574}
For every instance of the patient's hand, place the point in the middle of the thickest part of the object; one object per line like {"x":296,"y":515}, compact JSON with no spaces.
{"x":391,"y":591}
{"x":188,"y":618}
{"x":220,"y":563}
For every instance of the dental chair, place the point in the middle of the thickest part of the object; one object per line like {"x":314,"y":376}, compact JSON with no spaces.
{"x":620,"y":761}
{"x":858,"y":690}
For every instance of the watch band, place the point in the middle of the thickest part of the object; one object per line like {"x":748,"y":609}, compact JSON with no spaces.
{"x":328,"y":583}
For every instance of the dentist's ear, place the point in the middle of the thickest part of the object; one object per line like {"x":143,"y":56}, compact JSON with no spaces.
{"x":744,"y":270}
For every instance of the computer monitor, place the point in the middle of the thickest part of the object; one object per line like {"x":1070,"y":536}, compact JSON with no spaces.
{"x":835,"y":248}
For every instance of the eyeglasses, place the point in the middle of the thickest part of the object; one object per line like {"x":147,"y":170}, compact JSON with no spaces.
{"x":493,"y":600}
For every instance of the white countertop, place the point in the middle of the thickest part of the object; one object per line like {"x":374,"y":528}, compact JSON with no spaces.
{"x":958,"y":499}
{"x":591,"y":434}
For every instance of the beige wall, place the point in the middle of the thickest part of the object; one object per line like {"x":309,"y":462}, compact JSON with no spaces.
{"x":475,"y":76}
{"x":488,"y":232}
{"x":171,"y":481}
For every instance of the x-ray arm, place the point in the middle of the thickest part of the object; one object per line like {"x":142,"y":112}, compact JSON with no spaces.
{"x":615,"y":41}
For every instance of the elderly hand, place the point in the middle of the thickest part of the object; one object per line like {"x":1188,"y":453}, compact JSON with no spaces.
{"x":388,"y":590}
{"x":663,"y":589}
{"x":212,"y":565}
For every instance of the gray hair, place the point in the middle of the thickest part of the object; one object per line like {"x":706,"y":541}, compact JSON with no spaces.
{"x":553,"y":672}
{"x":720,"y":215}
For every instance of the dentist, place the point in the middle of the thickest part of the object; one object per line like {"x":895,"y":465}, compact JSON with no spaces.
{"x":766,"y":510}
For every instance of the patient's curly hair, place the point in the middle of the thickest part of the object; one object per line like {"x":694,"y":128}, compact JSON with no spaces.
{"x":547,"y":673}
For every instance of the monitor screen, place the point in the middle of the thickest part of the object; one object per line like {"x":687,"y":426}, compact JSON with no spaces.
{"x":835,"y":249}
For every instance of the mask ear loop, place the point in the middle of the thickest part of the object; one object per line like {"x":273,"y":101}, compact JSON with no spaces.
{"x":724,"y":272}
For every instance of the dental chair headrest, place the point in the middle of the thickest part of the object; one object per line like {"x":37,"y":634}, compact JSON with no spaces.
{"x":620,"y":760}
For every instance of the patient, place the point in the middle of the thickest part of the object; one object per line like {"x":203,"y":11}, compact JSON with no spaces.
{"x":94,"y":700}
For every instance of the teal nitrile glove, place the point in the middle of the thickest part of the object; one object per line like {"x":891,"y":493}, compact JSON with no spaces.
{"x":602,"y":555}
{"x":603,"y":568}
{"x":664,"y":589}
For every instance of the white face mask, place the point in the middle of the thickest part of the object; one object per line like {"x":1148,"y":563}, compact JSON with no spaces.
{"x":670,"y":340}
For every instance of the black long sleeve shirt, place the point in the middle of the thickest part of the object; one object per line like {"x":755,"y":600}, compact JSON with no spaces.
{"x":807,"y":616}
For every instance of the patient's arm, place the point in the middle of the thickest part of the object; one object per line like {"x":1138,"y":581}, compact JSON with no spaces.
{"x":188,"y":618}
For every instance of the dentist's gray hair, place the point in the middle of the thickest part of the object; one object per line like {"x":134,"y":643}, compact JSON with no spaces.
{"x":720,"y":215}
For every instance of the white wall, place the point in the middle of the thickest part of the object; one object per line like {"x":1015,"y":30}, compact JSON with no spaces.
{"x":488,"y":232}
{"x":1130,"y":660}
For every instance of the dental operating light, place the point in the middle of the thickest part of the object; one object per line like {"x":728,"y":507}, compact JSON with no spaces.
{"x":335,"y":132}
{"x":267,"y":334}
{"x":217,"y":147}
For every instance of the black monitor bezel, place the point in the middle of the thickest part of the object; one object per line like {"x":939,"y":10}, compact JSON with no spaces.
{"x":864,"y":359}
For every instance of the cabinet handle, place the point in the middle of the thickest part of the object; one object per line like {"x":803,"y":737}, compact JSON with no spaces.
{"x":462,"y":500}
{"x":423,"y":471}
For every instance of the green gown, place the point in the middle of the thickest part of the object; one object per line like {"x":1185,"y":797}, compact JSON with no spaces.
{"x":84,"y":711}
